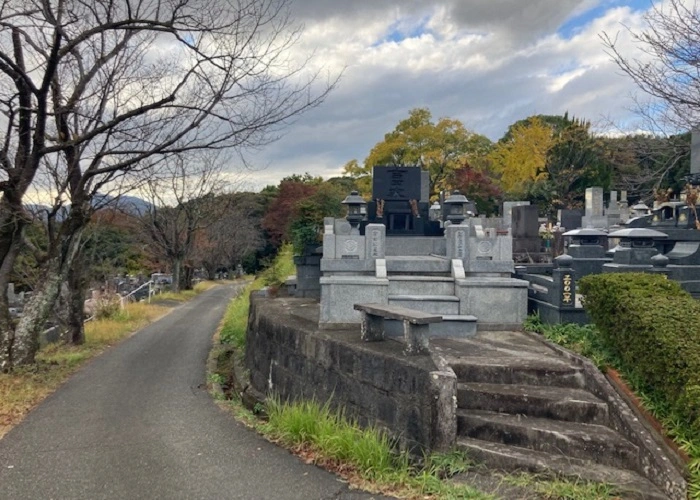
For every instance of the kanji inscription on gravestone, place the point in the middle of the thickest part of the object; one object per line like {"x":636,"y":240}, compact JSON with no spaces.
{"x":396,"y":183}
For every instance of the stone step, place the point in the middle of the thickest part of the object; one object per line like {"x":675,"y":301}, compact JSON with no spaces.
{"x":513,"y":458}
{"x":548,"y":373}
{"x":570,"y":439}
{"x":436,"y":304}
{"x":557,"y":403}
{"x":421,"y":285}
{"x":419,"y":265}
{"x":454,"y":326}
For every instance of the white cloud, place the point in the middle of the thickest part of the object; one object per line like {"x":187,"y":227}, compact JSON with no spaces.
{"x":487,"y":63}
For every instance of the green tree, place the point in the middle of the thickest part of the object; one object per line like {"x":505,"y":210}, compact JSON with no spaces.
{"x":575,"y":161}
{"x":440,"y":148}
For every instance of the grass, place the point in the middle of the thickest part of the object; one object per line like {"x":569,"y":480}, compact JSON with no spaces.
{"x":364,"y":456}
{"x":235,"y":322}
{"x":185,"y":295}
{"x":25,"y":387}
{"x":281,"y":268}
{"x":585,"y":340}
{"x":561,"y":489}
{"x":367,"y":458}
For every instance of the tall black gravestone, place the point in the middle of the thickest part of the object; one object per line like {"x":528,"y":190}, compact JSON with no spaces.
{"x":397,"y":201}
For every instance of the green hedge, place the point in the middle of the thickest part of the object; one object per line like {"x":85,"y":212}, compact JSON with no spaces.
{"x":654,"y":328}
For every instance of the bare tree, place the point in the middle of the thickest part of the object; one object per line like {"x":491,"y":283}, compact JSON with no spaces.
{"x":235,"y":234}
{"x":91,"y":91}
{"x":185,"y":199}
{"x":668,"y":68}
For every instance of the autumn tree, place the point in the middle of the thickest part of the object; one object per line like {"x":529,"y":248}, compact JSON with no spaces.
{"x":417,"y":141}
{"x":479,"y":186}
{"x":551,"y":160}
{"x":92,"y":91}
{"x":281,"y":211}
{"x":520,"y":158}
{"x":667,"y":67}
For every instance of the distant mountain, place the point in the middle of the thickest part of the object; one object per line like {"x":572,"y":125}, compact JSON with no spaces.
{"x":131,"y":205}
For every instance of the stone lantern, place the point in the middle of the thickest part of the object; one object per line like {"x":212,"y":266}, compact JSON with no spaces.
{"x":357,"y":207}
{"x":435,"y":211}
{"x":456,"y":207}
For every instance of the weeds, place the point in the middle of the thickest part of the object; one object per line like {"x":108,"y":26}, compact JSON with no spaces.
{"x":281,"y":268}
{"x":328,"y":437}
{"x":235,"y":322}
{"x":562,"y":489}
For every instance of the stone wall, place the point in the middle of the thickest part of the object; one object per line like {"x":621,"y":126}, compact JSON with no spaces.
{"x":374,"y":382}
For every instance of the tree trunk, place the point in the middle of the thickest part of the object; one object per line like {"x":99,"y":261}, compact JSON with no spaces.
{"x":177,"y":272}
{"x":186,"y":277}
{"x":75,"y":318}
{"x":7,"y":327}
{"x":211,"y":271}
{"x":37,"y":310}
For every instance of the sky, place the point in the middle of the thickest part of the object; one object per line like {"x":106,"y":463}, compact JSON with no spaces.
{"x":487,"y":63}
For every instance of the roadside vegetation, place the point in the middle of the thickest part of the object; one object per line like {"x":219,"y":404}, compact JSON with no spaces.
{"x":650,"y":318}
{"x":367,"y":458}
{"x":25,"y":387}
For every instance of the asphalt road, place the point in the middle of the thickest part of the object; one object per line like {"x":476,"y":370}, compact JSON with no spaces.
{"x":137,"y":422}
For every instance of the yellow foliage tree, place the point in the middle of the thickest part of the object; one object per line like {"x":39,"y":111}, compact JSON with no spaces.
{"x":521,"y":159}
{"x":440,"y":148}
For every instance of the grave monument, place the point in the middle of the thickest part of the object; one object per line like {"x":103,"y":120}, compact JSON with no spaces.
{"x":400,"y":257}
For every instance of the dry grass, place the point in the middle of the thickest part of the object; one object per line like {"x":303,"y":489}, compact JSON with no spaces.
{"x":185,"y":295}
{"x":26,"y":387}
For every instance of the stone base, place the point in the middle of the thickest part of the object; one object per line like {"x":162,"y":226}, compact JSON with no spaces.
{"x":493,"y":300}
{"x":340,"y":293}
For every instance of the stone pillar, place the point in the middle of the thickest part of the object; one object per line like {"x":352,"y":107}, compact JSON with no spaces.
{"x":624,"y":207}
{"x":594,"y":202}
{"x":443,"y":386}
{"x":375,"y":241}
{"x":595,"y":213}
{"x":564,"y":281}
{"x":695,"y":152}
{"x":456,"y":235}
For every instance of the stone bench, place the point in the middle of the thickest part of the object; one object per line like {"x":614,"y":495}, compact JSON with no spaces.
{"x":416,"y":324}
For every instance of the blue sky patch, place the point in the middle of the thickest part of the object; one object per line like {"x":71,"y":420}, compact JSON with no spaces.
{"x":575,"y":24}
{"x":402,"y":30}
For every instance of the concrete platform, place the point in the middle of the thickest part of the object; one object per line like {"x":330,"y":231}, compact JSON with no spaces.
{"x":525,"y":404}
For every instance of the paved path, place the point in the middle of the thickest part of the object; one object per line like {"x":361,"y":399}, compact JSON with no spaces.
{"x":137,"y":422}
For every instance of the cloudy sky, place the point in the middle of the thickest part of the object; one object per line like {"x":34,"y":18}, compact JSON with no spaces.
{"x":487,"y":63}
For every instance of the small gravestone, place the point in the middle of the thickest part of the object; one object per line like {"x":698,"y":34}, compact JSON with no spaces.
{"x":525,"y":222}
{"x":594,"y":202}
{"x":595,"y":209}
{"x":508,"y":211}
{"x":526,"y":237}
{"x":570,"y":218}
